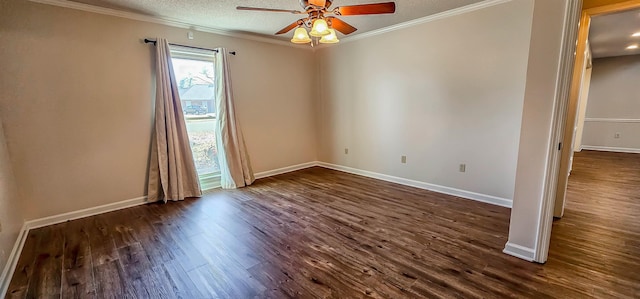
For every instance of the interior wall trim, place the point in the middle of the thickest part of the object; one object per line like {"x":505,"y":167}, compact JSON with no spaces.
{"x":248,"y":36}
{"x":519,"y":251}
{"x":283,"y":170}
{"x":427,"y":19}
{"x":564,"y":81}
{"x":503,"y":202}
{"x":165,"y":21}
{"x":55,"y":219}
{"x":611,"y":149}
{"x":12,"y":262}
{"x":613,"y":120}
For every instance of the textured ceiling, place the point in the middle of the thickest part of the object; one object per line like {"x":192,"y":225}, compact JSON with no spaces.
{"x":222,"y":14}
{"x":611,"y":34}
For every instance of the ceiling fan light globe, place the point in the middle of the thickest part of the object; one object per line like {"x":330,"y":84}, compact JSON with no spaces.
{"x":300,"y":36}
{"x":331,"y":38}
{"x":320,"y":28}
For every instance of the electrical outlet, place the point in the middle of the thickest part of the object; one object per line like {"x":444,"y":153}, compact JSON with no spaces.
{"x":346,"y":151}
{"x":616,"y":135}
{"x":403,"y":159}
{"x":463,"y":167}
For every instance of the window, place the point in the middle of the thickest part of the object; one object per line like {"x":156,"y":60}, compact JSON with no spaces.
{"x":196,"y":85}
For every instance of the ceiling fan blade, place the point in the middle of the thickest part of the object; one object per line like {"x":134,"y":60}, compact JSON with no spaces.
{"x":320,"y":3}
{"x":366,"y":9}
{"x":269,"y":9}
{"x":341,"y":26}
{"x":289,"y":28}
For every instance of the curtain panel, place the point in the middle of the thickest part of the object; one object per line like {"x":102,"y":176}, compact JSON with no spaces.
{"x":172,"y":171}
{"x":235,"y":167}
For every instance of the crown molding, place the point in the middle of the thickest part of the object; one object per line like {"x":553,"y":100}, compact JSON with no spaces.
{"x":181,"y":24}
{"x":163,"y":21}
{"x":427,"y":19}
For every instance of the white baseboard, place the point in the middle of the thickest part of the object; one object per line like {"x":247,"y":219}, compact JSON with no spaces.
{"x":519,"y":251}
{"x":503,"y":202}
{"x":55,"y":219}
{"x":611,"y":149}
{"x":283,"y":170}
{"x":12,"y":262}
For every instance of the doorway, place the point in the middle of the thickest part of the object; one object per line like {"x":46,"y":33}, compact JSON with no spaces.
{"x":617,"y":41}
{"x":598,"y":193}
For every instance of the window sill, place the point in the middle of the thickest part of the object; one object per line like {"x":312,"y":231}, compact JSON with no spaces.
{"x":209,"y":116}
{"x":209,"y":181}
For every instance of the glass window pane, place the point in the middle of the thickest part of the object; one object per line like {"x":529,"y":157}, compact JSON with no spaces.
{"x":196,"y":86}
{"x":202,"y":137}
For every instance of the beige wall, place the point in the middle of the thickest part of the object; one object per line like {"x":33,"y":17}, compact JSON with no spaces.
{"x":442,"y":93}
{"x":11,"y":213}
{"x":614,"y":105}
{"x":76,"y":101}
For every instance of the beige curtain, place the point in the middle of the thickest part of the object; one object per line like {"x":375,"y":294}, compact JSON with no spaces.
{"x":172,"y":172}
{"x":235,"y":167}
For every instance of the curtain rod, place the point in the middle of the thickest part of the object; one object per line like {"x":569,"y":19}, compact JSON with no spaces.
{"x":150,"y":41}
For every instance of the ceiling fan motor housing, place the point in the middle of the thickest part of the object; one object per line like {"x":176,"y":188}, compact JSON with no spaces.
{"x":316,"y":9}
{"x":305,"y":3}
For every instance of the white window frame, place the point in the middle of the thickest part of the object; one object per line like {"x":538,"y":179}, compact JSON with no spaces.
{"x":208,"y":181}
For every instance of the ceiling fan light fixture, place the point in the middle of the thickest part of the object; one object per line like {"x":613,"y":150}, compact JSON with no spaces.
{"x":300,"y":36}
{"x":331,"y":38}
{"x":320,"y":28}
{"x":320,"y":17}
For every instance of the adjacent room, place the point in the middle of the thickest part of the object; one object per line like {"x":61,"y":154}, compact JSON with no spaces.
{"x":293,"y":149}
{"x":597,"y":217}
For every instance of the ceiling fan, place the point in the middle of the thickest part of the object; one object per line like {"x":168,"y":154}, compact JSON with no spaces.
{"x":322,"y":21}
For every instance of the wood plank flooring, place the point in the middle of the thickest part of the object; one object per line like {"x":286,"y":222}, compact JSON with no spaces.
{"x":319,"y":233}
{"x":598,"y":239}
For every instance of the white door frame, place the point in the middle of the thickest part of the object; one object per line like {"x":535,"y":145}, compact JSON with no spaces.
{"x":563,"y":88}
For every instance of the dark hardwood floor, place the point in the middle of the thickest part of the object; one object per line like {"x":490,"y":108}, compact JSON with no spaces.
{"x":598,"y":239}
{"x":319,"y":233}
